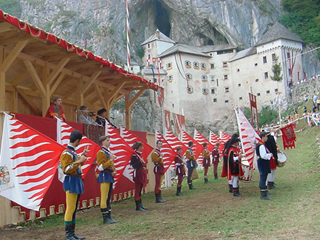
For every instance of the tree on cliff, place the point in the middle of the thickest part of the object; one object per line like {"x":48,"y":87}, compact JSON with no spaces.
{"x":276,"y":69}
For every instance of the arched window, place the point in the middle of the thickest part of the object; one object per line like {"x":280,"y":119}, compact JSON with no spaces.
{"x":170,"y":78}
{"x":203,"y":66}
{"x":190,"y":89}
{"x":169,"y":66}
{"x":196,"y":65}
{"x":204,"y":78}
{"x":188,"y":76}
{"x":205,"y":91}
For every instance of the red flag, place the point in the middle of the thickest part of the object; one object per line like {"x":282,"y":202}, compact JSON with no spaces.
{"x":168,"y":153}
{"x":197,"y":148}
{"x":214,"y":138}
{"x":130,"y":139}
{"x":249,"y":137}
{"x":174,"y":142}
{"x":63,"y":133}
{"x":28,"y":162}
{"x":254,"y":111}
{"x":119,"y":148}
{"x":288,"y":136}
{"x":201,"y":139}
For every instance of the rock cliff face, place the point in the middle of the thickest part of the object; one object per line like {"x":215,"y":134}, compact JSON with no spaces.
{"x":100,"y":26}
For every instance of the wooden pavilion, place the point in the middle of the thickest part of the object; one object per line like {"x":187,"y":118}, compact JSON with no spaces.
{"x":36,"y":65}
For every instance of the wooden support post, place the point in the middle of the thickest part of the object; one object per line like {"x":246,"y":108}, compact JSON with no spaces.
{"x":79,"y":94}
{"x":47,"y":96}
{"x":2,"y":82}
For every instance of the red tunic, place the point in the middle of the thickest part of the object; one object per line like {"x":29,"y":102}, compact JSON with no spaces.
{"x":215,"y":155}
{"x":53,"y":111}
{"x":139,"y":174}
{"x":206,"y":158}
{"x":179,"y":165}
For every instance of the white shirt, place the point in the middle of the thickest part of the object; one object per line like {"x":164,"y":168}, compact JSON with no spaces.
{"x":263,"y":153}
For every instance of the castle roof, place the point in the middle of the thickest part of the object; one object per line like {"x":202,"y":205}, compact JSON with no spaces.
{"x":244,"y":53}
{"x":183,"y":48}
{"x":215,"y":48}
{"x":278,"y":31}
{"x":158,"y":36}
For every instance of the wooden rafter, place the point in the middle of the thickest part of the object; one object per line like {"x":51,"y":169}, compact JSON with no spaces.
{"x":35,"y":77}
{"x":20,"y":78}
{"x":135,"y":98}
{"x":56,"y":84}
{"x":28,"y":100}
{"x":103,"y":102}
{"x":13,"y":55}
{"x":90,"y":81}
{"x":115,"y":92}
{"x":5,"y":27}
{"x":57,"y":70}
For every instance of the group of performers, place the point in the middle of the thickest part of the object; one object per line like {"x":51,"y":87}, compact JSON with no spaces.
{"x":71,"y":164}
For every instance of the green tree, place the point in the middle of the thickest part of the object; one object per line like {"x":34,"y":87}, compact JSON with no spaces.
{"x":276,"y":70}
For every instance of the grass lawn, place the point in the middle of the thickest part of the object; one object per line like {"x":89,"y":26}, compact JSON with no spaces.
{"x":210,"y":211}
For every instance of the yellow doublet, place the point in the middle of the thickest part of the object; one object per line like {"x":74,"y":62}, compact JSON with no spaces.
{"x":106,"y":162}
{"x":205,"y":154}
{"x":190,"y":156}
{"x":156,"y":158}
{"x":68,"y":165}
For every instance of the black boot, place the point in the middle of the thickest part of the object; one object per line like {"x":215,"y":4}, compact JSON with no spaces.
{"x":230,"y":188}
{"x":236,"y":192}
{"x":179,"y":193}
{"x":191,"y":186}
{"x":215,"y":176}
{"x":206,"y":180}
{"x":139,"y":206}
{"x":109,"y":209}
{"x":107,"y":216}
{"x":264,"y":193}
{"x":158,"y":198}
{"x":271,"y":185}
{"x":73,"y":232}
{"x":161,"y":197}
{"x":69,"y":232}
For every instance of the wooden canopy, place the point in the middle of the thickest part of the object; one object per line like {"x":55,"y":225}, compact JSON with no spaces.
{"x":36,"y":65}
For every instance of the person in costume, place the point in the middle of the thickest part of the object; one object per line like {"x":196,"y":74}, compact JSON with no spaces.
{"x":180,"y":172}
{"x":215,"y":160}
{"x":234,"y":165}
{"x":264,"y":157}
{"x":73,"y":184}
{"x":225,"y":170}
{"x":206,"y":161}
{"x":191,"y":163}
{"x":157,"y":159}
{"x":102,"y":118}
{"x":139,"y":174}
{"x":84,"y":116}
{"x":271,"y":145}
{"x":55,"y":109}
{"x":105,"y":162}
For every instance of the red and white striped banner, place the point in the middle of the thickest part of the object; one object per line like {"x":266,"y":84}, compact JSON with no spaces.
{"x":197,"y":148}
{"x":63,"y":133}
{"x":28,"y":162}
{"x":214,"y":139}
{"x":168,"y":153}
{"x":201,"y":139}
{"x":130,"y":139}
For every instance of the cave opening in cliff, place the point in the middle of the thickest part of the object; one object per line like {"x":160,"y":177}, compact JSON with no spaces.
{"x":162,"y":19}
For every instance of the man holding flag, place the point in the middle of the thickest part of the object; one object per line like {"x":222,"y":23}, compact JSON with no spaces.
{"x":73,"y":183}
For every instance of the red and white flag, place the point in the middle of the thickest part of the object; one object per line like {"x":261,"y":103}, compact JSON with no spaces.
{"x":120,"y":148}
{"x":63,"y":133}
{"x":197,"y":148}
{"x":174,"y":142}
{"x":28,"y":162}
{"x":224,"y":137}
{"x":249,"y":137}
{"x":214,"y":139}
{"x":168,"y":153}
{"x":130,"y":139}
{"x":201,"y":139}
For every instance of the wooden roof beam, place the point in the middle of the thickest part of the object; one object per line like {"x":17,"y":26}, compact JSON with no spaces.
{"x":35,"y":77}
{"x":109,"y":86}
{"x":13,"y":55}
{"x":103,"y":102}
{"x":28,"y":100}
{"x":90,"y":81}
{"x":57,"y":70}
{"x":5,"y":27}
{"x":56,"y":84}
{"x":20,"y":79}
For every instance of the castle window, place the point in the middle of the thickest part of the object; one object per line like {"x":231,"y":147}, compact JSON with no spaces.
{"x":188,"y":76}
{"x":276,"y":90}
{"x":214,"y":100}
{"x":225,"y":64}
{"x":169,"y":66}
{"x":257,"y":80}
{"x":170,"y":78}
{"x":240,"y":98}
{"x":238,"y":70}
{"x":266,"y":75}
{"x":148,"y":46}
{"x":268,"y":91}
{"x":212,"y":78}
{"x":264,"y":59}
{"x":204,"y":78}
{"x":212,"y":66}
{"x":196,"y":65}
{"x":273,"y":57}
{"x":190,"y":89}
{"x":256,"y":64}
{"x":258,"y":94}
{"x":213,"y":91}
{"x":203,"y":66}
{"x":225,"y":77}
{"x":226,"y":89}
{"x":226,"y":101}
{"x":188,"y":64}
{"x":239,"y":84}
{"x":205,"y":91}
